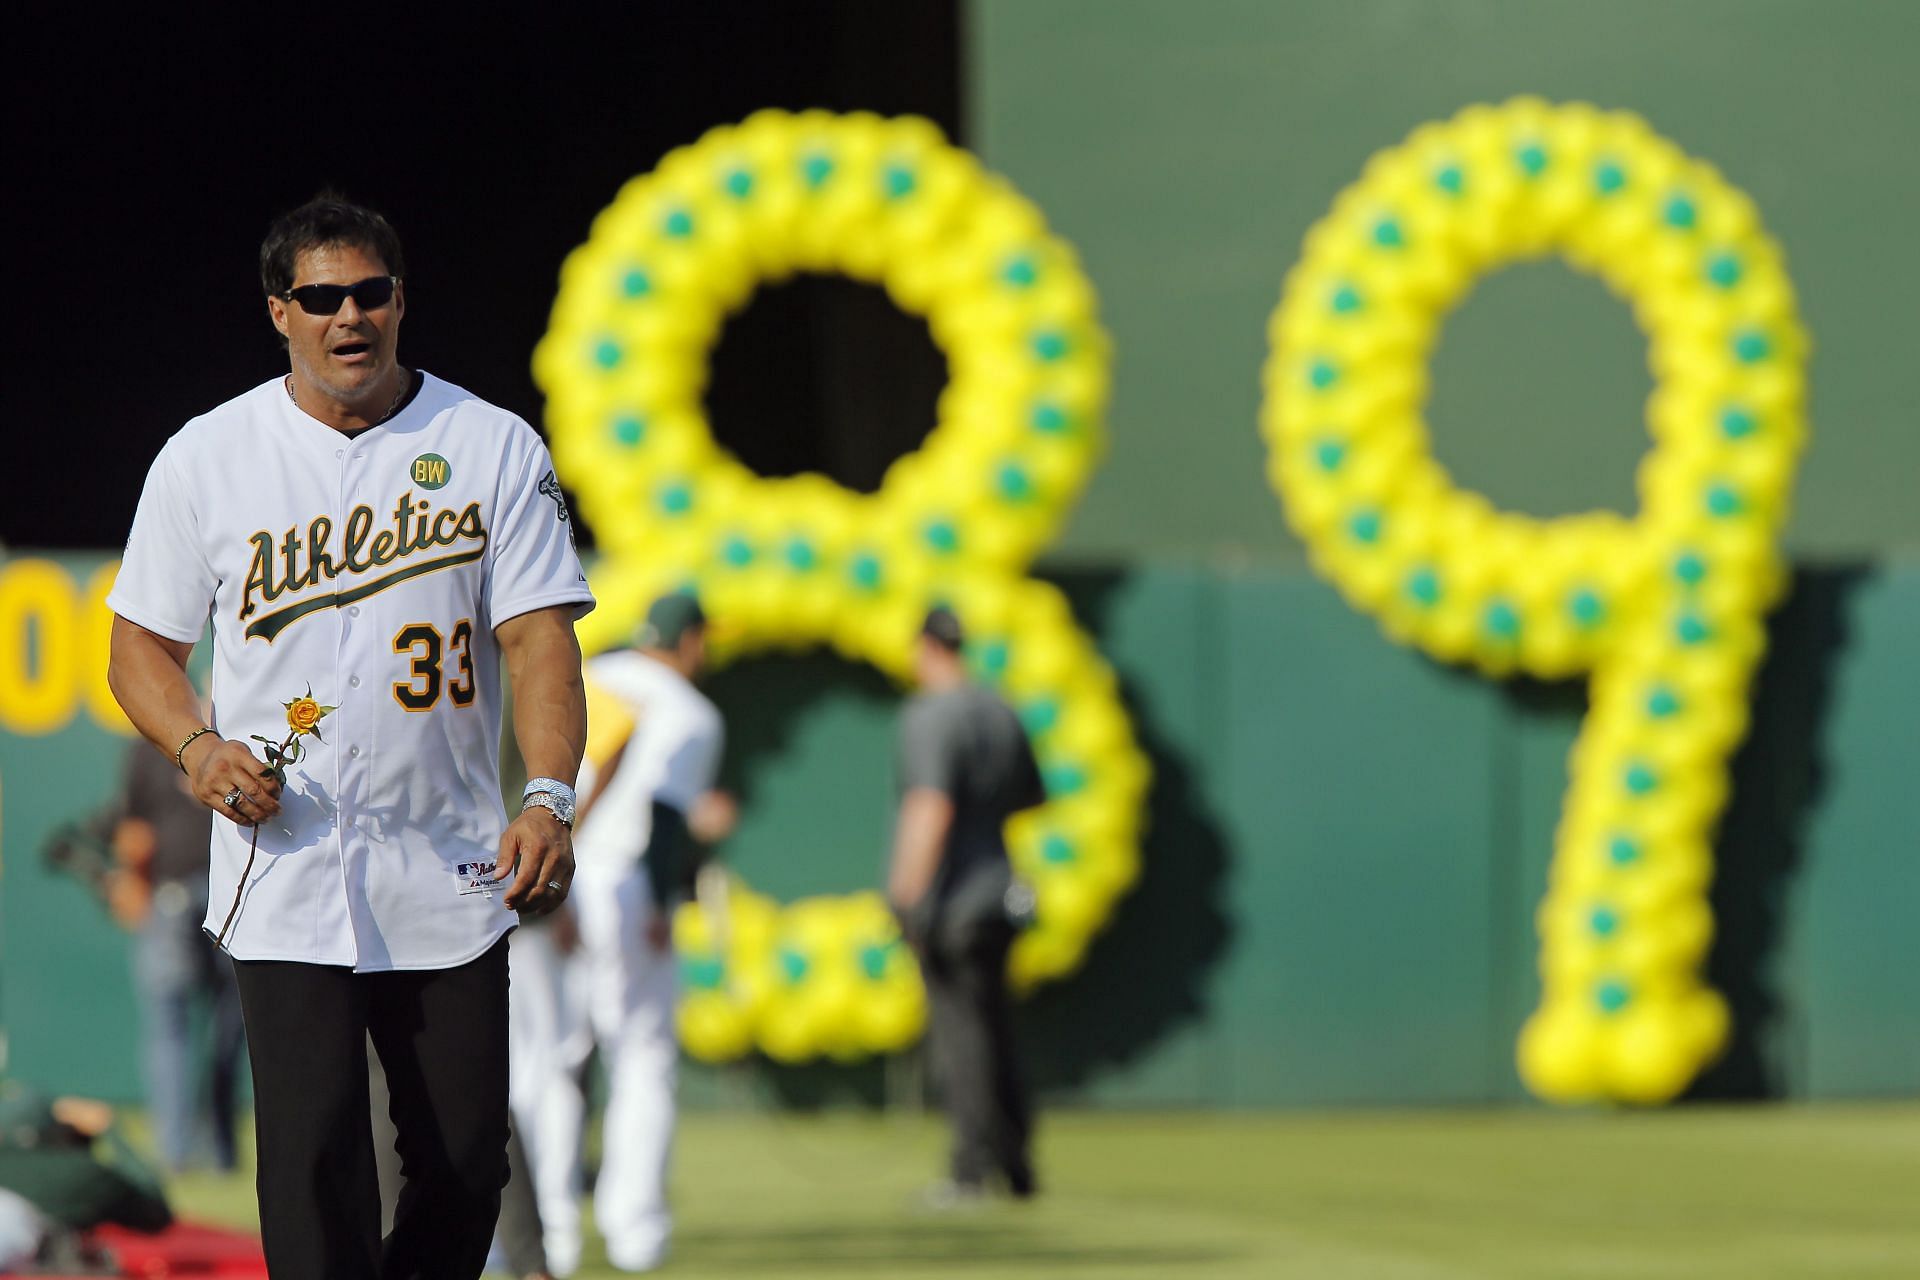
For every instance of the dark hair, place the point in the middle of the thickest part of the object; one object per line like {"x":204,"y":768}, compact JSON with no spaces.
{"x":327,"y":219}
{"x":943,"y":628}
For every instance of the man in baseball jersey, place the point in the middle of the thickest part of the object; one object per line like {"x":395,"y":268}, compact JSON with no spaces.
{"x":651,"y":756}
{"x":965,"y":768}
{"x":369,"y":543}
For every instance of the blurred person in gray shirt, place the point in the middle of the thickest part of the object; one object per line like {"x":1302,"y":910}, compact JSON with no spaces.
{"x":965,"y":767}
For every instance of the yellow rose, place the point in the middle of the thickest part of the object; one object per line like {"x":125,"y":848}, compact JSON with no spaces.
{"x":303,"y":715}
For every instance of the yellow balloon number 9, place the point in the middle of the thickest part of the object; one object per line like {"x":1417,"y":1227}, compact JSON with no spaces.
{"x":1664,"y":609}
{"x":793,"y":563}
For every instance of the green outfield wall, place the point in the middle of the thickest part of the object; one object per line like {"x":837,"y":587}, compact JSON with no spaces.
{"x":1186,"y":148}
{"x":1347,"y":844}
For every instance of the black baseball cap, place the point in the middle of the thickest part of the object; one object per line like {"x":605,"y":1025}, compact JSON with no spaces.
{"x":669,"y":618}
{"x":943,"y":628}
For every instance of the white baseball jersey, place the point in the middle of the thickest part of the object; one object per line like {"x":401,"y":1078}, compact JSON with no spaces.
{"x":372,"y":570}
{"x":673,"y":737}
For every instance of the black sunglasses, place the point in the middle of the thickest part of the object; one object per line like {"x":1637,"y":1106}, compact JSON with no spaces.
{"x":325,"y":299}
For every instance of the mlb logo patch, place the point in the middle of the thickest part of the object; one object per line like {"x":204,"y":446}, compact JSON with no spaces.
{"x":475,"y":877}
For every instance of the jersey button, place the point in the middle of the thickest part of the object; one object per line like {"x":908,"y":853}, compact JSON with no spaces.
{"x":354,"y":681}
{"x":339,"y":453}
{"x":353,"y":610}
{"x":354,"y":752}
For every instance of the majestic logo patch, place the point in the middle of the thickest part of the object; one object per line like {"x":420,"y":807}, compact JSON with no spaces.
{"x":475,"y":877}
{"x":430,"y":471}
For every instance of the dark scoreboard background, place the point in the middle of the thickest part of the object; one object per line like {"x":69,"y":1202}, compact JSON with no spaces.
{"x":146,"y":156}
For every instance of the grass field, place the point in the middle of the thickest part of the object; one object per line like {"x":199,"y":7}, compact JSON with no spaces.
{"x":1698,"y":1192}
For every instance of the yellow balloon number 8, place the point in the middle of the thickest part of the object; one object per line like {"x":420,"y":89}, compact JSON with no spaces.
{"x":797,"y":562}
{"x":1664,"y":609}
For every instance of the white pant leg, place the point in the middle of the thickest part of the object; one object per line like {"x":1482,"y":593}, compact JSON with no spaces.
{"x":631,"y":1005}
{"x":548,"y":1042}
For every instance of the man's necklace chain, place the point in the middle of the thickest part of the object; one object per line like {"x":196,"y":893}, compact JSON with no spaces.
{"x":405,"y":383}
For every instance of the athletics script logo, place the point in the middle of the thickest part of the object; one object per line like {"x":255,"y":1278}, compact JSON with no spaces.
{"x":294,"y":564}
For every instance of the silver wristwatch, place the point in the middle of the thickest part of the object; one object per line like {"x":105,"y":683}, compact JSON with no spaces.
{"x":549,"y":793}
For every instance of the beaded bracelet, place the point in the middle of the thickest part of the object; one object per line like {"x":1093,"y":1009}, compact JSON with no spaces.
{"x":186,"y":742}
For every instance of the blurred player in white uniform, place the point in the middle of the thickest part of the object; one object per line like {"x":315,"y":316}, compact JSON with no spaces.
{"x":653,"y":750}
{"x":550,"y":1040}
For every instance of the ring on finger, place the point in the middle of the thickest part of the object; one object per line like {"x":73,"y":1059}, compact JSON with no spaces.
{"x":555,"y":885}
{"x":234,"y":797}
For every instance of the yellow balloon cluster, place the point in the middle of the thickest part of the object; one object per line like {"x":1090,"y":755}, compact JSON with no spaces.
{"x":793,"y":563}
{"x":1664,"y":609}
{"x":824,"y":976}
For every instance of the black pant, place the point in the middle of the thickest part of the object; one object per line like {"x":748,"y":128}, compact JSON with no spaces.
{"x":974,"y":1060}
{"x":441,"y":1035}
{"x":519,"y":1231}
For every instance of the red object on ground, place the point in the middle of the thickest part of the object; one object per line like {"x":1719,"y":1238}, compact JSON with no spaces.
{"x":185,"y":1249}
